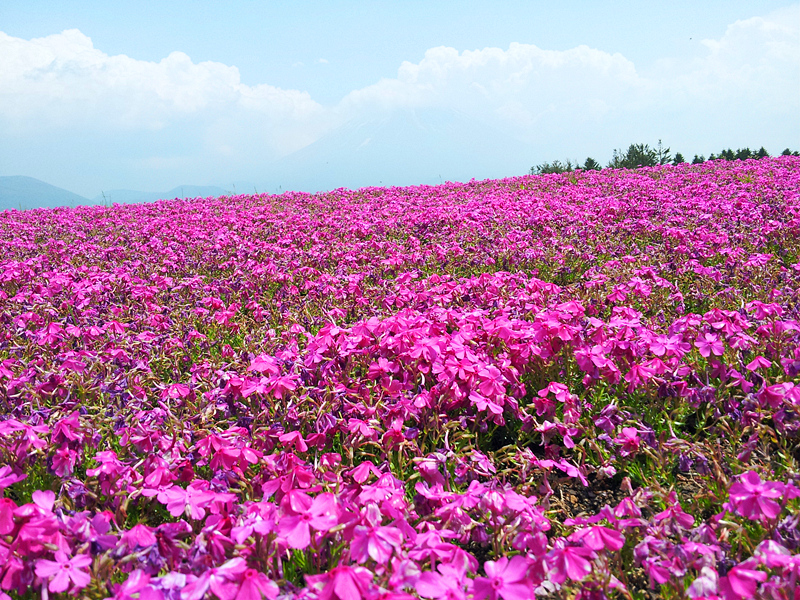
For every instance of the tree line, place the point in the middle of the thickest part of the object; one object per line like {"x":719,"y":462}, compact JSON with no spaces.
{"x":642,"y":155}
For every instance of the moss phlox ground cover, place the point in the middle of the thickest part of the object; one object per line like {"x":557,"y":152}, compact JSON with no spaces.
{"x":408,"y":392}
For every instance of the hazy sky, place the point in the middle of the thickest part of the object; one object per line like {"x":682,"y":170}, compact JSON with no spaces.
{"x":150,"y":95}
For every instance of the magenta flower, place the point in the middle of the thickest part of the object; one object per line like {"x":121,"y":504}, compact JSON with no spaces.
{"x":254,"y":585}
{"x":504,"y":579}
{"x":63,"y":570}
{"x":376,"y":543}
{"x":628,"y":440}
{"x":7,"y":507}
{"x":294,"y":438}
{"x":193,"y":499}
{"x":759,"y":362}
{"x":134,"y":584}
{"x":342,"y":583}
{"x":709,"y":344}
{"x":674,"y":514}
{"x":573,"y":562}
{"x":447,"y":584}
{"x":8,"y":477}
{"x":740,"y":582}
{"x":138,"y":536}
{"x":599,"y":538}
{"x":755,"y":499}
{"x":302,"y":513}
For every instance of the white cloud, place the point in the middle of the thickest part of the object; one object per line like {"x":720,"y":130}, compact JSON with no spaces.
{"x":62,"y":81}
{"x":522,"y":86}
{"x":754,"y":67}
{"x":200,"y":120}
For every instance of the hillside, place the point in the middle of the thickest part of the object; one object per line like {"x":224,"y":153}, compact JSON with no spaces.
{"x":21,"y":193}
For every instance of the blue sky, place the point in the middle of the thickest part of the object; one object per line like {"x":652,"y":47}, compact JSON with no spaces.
{"x":150,"y":95}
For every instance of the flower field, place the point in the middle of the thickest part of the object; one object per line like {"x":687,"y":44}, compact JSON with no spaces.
{"x":570,"y":386}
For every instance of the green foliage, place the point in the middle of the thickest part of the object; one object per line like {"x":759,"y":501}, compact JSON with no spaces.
{"x":591,"y":164}
{"x":740,"y":154}
{"x":637,"y":155}
{"x":554,"y":167}
{"x":642,"y":155}
{"x":662,"y":154}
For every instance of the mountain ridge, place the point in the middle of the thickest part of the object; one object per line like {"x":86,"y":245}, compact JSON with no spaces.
{"x":19,"y":192}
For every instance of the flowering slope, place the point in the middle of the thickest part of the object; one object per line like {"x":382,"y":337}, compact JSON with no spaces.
{"x":577,"y":385}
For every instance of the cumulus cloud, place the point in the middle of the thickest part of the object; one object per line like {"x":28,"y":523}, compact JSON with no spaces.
{"x":754,"y":67}
{"x":523,"y":85}
{"x":63,"y":81}
{"x":200,"y":119}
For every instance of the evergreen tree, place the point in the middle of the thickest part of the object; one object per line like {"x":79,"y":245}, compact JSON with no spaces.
{"x":591,"y":164}
{"x":762,"y":153}
{"x":637,"y":155}
{"x":554,"y":167}
{"x":678,"y":159}
{"x":662,"y":154}
{"x":699,"y":159}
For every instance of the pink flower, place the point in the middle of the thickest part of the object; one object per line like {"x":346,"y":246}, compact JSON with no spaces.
{"x":629,"y":441}
{"x":674,"y":514}
{"x":302,"y":513}
{"x":505,"y":579}
{"x":491,"y":381}
{"x":740,"y":582}
{"x":376,"y":543}
{"x":135,"y":583}
{"x":709,"y":344}
{"x":8,"y":477}
{"x":138,"y":535}
{"x":759,"y":362}
{"x":254,"y":585}
{"x":483,"y":404}
{"x":448,"y":583}
{"x":44,"y":499}
{"x":599,"y":538}
{"x":64,"y":570}
{"x":7,"y":507}
{"x":573,"y":562}
{"x":705,"y":585}
{"x":194,"y":497}
{"x":342,"y":583}
{"x":294,"y":438}
{"x":754,"y":499}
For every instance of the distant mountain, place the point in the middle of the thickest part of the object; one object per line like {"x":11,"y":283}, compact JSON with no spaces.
{"x":22,"y":193}
{"x":182,"y":191}
{"x":404,"y":147}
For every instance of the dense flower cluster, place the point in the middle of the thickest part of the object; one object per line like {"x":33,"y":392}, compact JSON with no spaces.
{"x":578,"y":385}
